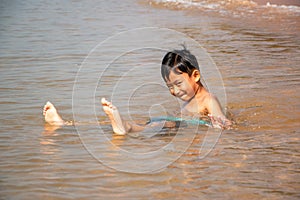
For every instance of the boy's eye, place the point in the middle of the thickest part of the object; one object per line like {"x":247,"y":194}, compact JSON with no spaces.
{"x":170,"y":87}
{"x":178,"y":84}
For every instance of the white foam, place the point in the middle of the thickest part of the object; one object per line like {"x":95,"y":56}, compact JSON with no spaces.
{"x":231,"y":6}
{"x":290,"y":8}
{"x":190,"y":3}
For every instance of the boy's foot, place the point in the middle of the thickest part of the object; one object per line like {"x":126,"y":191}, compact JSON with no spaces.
{"x":114,"y":116}
{"x":51,"y":115}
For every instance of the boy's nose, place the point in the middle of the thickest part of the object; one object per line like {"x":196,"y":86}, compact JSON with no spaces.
{"x":176,"y":91}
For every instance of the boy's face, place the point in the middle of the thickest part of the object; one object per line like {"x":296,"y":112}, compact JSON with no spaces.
{"x":182,"y":85}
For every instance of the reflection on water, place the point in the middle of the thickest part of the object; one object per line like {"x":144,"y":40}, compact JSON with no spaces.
{"x":42,"y":46}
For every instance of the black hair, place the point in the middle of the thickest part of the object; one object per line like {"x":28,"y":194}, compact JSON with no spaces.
{"x":178,"y":61}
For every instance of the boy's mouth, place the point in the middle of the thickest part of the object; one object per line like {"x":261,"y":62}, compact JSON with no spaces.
{"x":181,"y":96}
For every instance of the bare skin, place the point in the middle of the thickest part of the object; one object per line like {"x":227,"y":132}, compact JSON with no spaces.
{"x":120,"y":127}
{"x":197,"y":100}
{"x":51,"y":115}
{"x":114,"y":116}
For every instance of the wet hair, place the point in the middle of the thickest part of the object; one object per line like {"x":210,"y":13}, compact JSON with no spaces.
{"x":178,"y":61}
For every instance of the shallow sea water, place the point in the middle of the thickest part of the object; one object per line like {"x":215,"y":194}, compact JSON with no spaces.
{"x":43,"y":45}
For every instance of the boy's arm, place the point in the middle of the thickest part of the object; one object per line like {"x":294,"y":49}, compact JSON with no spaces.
{"x":214,"y":107}
{"x":217,"y":116}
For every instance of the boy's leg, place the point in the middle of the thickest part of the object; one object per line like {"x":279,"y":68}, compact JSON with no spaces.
{"x":114,"y":116}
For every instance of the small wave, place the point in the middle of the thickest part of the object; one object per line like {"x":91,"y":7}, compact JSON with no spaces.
{"x":290,"y":8}
{"x":235,"y":8}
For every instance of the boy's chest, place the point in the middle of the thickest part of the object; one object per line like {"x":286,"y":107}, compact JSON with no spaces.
{"x":192,"y":110}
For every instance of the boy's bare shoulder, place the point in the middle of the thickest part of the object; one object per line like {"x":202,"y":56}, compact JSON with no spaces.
{"x":210,"y":100}
{"x":209,"y":97}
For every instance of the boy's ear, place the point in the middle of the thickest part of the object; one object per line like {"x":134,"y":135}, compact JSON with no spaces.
{"x":196,"y":75}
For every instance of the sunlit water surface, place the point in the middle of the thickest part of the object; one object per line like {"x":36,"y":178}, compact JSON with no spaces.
{"x":43,"y":44}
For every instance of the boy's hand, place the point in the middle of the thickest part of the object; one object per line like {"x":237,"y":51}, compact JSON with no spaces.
{"x":220,"y":122}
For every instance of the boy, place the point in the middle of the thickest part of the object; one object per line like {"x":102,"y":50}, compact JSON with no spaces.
{"x":181,"y":73}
